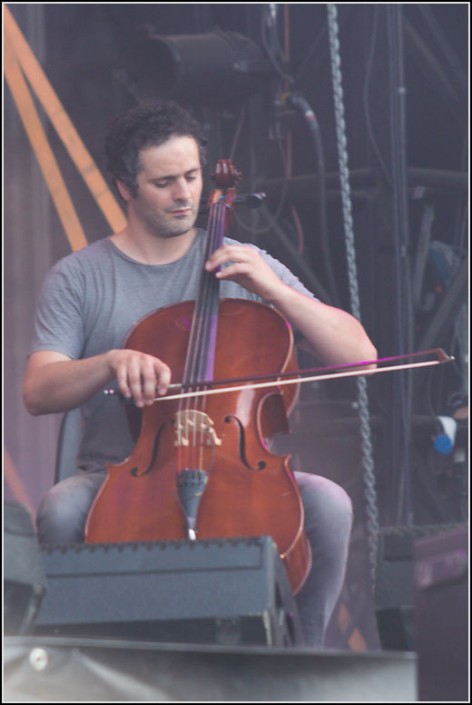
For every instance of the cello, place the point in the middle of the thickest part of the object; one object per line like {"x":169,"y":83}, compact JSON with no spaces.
{"x":201,"y":467}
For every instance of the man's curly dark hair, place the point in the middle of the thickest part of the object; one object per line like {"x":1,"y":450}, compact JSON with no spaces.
{"x":148,"y":125}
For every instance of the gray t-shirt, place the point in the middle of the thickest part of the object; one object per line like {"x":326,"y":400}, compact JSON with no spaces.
{"x":90,"y":302}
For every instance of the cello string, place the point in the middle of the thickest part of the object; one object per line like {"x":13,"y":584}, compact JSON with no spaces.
{"x":201,"y":347}
{"x":191,"y":373}
{"x":209,"y":315}
{"x":200,"y":321}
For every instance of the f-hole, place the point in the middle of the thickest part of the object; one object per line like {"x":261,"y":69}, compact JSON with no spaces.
{"x":242,"y":444}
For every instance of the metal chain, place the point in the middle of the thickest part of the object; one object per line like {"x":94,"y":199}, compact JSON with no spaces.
{"x":364,"y":416}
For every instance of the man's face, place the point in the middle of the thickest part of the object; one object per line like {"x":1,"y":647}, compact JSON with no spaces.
{"x":169,"y":185}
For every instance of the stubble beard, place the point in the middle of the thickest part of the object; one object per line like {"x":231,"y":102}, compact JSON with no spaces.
{"x":166,"y":228}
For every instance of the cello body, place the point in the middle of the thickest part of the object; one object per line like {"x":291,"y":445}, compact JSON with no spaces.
{"x":250,"y":491}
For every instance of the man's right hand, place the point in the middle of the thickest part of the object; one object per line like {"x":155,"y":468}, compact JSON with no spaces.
{"x":140,"y":376}
{"x":54,"y":383}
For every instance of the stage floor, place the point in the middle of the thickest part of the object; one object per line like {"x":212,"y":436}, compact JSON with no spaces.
{"x":52,"y":669}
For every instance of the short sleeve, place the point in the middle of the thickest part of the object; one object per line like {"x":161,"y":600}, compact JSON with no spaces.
{"x":58,"y":323}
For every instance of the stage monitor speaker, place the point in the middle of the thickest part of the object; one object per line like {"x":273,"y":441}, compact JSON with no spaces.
{"x":394,"y":590}
{"x":441,"y":580}
{"x":395,"y":584}
{"x":229,"y":591}
{"x":24,"y":575}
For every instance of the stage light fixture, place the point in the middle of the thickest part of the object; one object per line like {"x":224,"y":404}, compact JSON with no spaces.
{"x":217,"y":70}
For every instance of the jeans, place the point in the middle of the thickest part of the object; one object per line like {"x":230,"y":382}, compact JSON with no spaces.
{"x":328,"y":521}
{"x":328,"y":524}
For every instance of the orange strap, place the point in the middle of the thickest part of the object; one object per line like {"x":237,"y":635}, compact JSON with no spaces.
{"x":28,"y":63}
{"x":42,"y":149}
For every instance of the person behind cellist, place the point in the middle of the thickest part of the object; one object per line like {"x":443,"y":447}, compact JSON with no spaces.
{"x":92,"y":298}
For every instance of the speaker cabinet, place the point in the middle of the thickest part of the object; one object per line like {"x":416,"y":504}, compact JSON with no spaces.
{"x":441,"y":572}
{"x":24,"y":577}
{"x":395,"y":585}
{"x":232,"y":591}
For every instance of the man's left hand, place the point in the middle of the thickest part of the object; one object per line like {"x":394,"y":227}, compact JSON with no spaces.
{"x":244,"y":265}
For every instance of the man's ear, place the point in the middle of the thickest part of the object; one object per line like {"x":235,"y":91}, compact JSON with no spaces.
{"x":122,"y":190}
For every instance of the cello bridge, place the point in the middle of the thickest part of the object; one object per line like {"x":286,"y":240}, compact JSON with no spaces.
{"x":195,"y":427}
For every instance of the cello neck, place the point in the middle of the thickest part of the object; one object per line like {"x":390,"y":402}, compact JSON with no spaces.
{"x":200,"y":358}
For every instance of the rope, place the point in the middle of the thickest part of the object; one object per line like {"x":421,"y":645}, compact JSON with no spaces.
{"x":364,"y":416}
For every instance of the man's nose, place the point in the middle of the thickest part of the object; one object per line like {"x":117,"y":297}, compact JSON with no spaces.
{"x":182,"y":190}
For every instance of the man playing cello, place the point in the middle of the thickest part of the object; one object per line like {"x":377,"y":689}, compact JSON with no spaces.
{"x":93,"y":298}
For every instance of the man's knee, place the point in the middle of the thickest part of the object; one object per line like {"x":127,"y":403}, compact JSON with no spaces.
{"x":63,"y":511}
{"x":325,"y":502}
{"x":55,"y":519}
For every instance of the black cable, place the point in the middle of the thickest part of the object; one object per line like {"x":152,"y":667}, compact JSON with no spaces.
{"x":301,"y":105}
{"x":401,"y":244}
{"x":270,"y":41}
